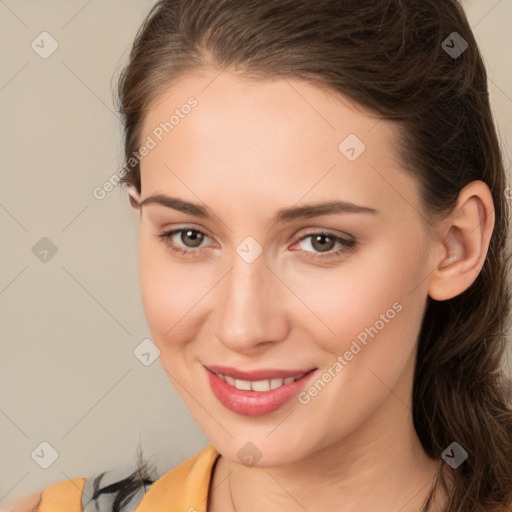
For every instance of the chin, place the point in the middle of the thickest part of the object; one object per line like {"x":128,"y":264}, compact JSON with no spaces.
{"x":262,"y":449}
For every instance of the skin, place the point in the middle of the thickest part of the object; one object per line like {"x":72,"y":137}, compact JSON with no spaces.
{"x":248,"y":149}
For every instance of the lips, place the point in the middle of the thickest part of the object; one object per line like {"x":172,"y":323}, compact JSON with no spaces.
{"x":258,"y":392}
{"x":262,"y":374}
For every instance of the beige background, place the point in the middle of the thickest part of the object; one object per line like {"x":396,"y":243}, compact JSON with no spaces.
{"x":69,"y":326}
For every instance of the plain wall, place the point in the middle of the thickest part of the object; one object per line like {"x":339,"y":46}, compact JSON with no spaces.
{"x":69,"y":325}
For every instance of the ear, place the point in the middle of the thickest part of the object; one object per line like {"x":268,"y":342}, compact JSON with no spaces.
{"x":465,"y":238}
{"x":134,"y":197}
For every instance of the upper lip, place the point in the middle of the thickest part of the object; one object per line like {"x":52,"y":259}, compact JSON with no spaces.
{"x":262,"y":374}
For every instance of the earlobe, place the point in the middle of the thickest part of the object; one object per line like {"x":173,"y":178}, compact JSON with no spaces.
{"x":466,"y":241}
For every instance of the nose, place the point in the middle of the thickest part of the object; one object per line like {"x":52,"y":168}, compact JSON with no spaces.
{"x":251,"y":311}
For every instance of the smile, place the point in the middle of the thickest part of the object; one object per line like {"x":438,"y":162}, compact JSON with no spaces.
{"x":258,"y":392}
{"x":258,"y":385}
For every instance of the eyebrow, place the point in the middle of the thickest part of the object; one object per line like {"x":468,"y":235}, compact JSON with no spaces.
{"x":283,"y":215}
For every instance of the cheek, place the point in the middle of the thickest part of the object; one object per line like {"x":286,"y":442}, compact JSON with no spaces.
{"x":376,"y":320}
{"x":374,"y":294}
{"x":169,"y":293}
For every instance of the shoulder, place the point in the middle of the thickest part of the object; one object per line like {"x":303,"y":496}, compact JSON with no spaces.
{"x":27,"y":503}
{"x":62,"y":496}
{"x":185,"y":483}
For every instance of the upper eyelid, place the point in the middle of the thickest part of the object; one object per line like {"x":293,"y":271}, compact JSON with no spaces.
{"x":344,"y":240}
{"x":174,"y":231}
{"x":324,"y":232}
{"x":168,"y":233}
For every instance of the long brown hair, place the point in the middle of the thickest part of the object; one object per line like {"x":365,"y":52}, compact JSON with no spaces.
{"x":401,"y":60}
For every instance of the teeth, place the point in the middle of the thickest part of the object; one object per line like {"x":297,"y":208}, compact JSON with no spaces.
{"x":257,"y":385}
{"x":276,"y":383}
{"x":229,"y":380}
{"x":260,"y":385}
{"x":243,"y":384}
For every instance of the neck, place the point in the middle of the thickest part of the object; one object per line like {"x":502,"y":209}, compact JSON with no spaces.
{"x":380,"y":467}
{"x":333,"y":479}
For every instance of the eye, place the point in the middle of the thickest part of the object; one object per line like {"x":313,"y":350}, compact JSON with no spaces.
{"x":189,"y":241}
{"x":324,"y":243}
{"x":190,"y":237}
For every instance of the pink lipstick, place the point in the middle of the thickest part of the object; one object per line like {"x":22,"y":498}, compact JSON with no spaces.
{"x":257,"y":392}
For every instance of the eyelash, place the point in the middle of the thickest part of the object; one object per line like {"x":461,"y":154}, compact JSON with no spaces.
{"x":347,"y":246}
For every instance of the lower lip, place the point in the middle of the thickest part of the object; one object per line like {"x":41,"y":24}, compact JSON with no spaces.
{"x":255,"y":403}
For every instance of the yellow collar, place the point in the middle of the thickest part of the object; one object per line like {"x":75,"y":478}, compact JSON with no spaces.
{"x":183,"y":489}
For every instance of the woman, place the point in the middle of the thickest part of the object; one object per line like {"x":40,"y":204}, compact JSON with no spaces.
{"x":323,"y":263}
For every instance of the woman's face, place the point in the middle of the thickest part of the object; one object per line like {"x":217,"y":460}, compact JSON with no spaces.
{"x":271,"y":284}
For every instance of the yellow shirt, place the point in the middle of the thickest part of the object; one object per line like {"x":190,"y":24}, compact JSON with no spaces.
{"x":184,"y":488}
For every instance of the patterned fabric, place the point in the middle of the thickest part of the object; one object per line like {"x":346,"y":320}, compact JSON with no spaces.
{"x":184,"y":488}
{"x":104,"y":501}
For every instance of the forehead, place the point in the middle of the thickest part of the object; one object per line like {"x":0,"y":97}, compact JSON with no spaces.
{"x":284,"y":139}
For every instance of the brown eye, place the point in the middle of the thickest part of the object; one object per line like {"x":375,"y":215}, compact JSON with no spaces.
{"x":325,"y":245}
{"x":322,"y":242}
{"x":185,"y":241}
{"x":195,"y":236}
